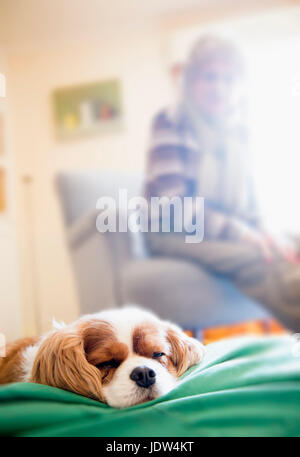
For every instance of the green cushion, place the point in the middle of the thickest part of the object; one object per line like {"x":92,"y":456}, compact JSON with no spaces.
{"x":243,"y":387}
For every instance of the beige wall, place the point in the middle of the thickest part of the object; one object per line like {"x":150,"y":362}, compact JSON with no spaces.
{"x":10,"y":304}
{"x":47,"y":282}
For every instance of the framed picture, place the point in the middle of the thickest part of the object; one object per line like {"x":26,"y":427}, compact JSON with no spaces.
{"x":2,"y":190}
{"x":88,"y":109}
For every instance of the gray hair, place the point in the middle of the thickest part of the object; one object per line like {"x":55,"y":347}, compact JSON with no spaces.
{"x":209,"y":48}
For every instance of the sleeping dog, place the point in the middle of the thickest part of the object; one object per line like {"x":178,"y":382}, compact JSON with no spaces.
{"x":121,"y":357}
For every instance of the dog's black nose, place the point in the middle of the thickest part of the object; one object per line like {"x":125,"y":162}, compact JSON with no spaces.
{"x":143,"y":376}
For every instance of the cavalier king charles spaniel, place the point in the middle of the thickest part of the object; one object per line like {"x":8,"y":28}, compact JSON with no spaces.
{"x":122,"y":357}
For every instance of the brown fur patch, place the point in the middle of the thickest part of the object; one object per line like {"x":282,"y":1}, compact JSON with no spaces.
{"x":149,"y":338}
{"x":61,"y":362}
{"x":101,"y":344}
{"x":185,"y":351}
{"x":11,"y":364}
{"x":69,"y":359}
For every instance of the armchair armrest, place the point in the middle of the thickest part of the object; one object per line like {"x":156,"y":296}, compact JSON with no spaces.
{"x":82,"y":230}
{"x":98,"y":259}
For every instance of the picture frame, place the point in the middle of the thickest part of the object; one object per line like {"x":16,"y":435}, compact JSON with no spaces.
{"x":88,"y":109}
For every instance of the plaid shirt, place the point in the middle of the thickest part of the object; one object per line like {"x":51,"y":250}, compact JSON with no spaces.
{"x":179,"y":165}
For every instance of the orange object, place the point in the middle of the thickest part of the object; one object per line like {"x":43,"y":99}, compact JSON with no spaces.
{"x":189,"y":333}
{"x":228,"y":331}
{"x":257,"y":327}
{"x":275,"y":327}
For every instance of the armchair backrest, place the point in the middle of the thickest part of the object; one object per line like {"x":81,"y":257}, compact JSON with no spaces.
{"x":79,"y":192}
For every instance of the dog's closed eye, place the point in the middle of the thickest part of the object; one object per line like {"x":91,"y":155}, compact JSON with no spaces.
{"x":156,"y":355}
{"x":108,"y":364}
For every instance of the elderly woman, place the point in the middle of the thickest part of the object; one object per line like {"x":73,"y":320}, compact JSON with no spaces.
{"x":199,"y":148}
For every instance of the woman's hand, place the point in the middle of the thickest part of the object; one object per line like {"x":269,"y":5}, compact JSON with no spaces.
{"x":260,"y":240}
{"x":284,"y":248}
{"x":270,"y":246}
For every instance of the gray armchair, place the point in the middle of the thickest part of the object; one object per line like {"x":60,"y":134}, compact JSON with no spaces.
{"x":112,"y":269}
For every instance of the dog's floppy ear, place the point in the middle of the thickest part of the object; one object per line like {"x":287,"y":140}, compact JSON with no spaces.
{"x":61,"y":361}
{"x":185,"y":351}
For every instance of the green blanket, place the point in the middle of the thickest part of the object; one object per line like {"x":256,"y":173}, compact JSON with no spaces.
{"x":243,"y":387}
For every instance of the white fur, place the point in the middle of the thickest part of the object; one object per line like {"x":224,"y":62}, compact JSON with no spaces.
{"x":122,"y":391}
{"x":58,"y":325}
{"x":28,"y":357}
